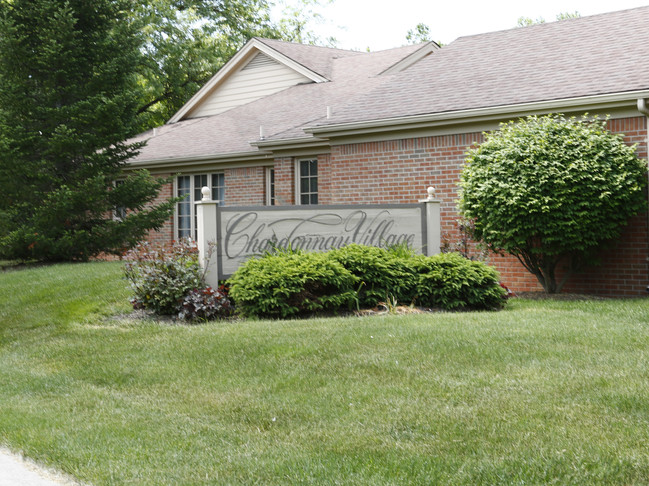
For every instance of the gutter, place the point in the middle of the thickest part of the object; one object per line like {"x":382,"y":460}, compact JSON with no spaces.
{"x":644,"y":109}
{"x":583,"y":103}
{"x":291,"y":143}
{"x":236,"y":158}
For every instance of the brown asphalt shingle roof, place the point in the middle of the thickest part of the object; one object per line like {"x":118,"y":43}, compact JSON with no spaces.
{"x":318,"y":59}
{"x":587,"y":56}
{"x":283,"y":112}
{"x":574,"y":58}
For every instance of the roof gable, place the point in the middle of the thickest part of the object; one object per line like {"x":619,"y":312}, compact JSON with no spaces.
{"x":260,"y":68}
{"x":415,"y":57}
{"x":586,"y":64}
{"x":261,"y":76}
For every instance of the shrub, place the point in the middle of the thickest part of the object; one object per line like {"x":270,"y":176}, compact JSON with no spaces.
{"x":551,"y":190}
{"x":461,"y":241}
{"x":290,"y":283}
{"x":451,"y":281}
{"x":382,"y":273}
{"x":162,"y":276}
{"x":204,"y":304}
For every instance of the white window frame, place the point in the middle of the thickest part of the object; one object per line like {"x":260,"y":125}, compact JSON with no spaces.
{"x":298,"y":179}
{"x":192,"y":199}
{"x":270,"y":195}
{"x":119,"y":214}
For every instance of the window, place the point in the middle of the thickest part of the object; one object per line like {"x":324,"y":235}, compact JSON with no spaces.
{"x":270,"y":186}
{"x":189,"y":188}
{"x":307,"y":179}
{"x":120,"y":211}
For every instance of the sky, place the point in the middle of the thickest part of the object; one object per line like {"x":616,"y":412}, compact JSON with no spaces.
{"x":383,"y":24}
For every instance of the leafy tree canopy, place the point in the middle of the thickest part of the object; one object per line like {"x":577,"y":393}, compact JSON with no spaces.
{"x":551,"y":190}
{"x":527,"y":21}
{"x":187,"y":41}
{"x":420,"y":34}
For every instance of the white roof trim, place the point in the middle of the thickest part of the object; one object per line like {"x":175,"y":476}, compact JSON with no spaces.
{"x":246,"y":53}
{"x":173,"y":162}
{"x":585,"y":103}
{"x":408,"y":61}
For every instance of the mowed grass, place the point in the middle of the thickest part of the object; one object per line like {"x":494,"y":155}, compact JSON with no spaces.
{"x":540,"y":393}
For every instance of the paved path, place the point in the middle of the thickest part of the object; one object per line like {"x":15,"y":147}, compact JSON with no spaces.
{"x":16,"y":471}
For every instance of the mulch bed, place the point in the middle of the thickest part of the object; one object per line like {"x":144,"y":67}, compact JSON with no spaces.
{"x":381,"y":309}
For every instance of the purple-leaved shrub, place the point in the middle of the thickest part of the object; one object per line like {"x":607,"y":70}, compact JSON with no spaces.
{"x":168,"y":280}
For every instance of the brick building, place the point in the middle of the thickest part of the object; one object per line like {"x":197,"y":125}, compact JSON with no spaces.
{"x":286,"y":124}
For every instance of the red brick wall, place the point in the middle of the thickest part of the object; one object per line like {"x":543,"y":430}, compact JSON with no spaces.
{"x":244,"y":186}
{"x":166,"y":233}
{"x":399,"y":171}
{"x":284,"y":181}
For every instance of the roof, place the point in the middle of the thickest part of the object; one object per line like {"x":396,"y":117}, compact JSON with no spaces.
{"x":570,"y":59}
{"x":315,"y":58}
{"x":284,"y":112}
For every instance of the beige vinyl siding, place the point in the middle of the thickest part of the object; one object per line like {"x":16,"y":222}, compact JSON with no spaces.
{"x":260,"y":77}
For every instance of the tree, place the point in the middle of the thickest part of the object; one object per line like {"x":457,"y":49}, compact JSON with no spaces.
{"x":568,"y":15}
{"x":68,"y":100}
{"x":527,"y":21}
{"x":421,"y":33}
{"x":551,"y":190}
{"x":187,"y":41}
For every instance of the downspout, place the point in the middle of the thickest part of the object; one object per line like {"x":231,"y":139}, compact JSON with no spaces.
{"x":644,"y":109}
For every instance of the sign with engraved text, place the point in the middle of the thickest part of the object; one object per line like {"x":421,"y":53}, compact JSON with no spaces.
{"x":244,"y":232}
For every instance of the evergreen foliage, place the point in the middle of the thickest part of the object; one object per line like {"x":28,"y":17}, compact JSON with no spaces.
{"x":450,"y":281}
{"x":68,"y":100}
{"x":287,"y":283}
{"x":290,"y":283}
{"x":551,"y":191}
{"x":381,"y":272}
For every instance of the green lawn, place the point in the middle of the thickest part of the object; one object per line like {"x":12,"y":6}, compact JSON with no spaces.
{"x":542,"y":392}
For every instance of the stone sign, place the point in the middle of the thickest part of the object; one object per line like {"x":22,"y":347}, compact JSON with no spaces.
{"x":246,"y":232}
{"x":228,"y":236}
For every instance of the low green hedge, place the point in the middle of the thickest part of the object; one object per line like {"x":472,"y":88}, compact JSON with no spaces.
{"x":450,"y":281}
{"x":289,"y":283}
{"x":384,"y":274}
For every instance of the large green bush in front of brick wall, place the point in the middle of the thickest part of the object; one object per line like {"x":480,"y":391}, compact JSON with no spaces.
{"x":289,"y":283}
{"x":551,"y":191}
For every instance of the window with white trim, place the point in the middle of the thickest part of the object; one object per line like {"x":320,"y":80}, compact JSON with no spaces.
{"x":120,"y":211}
{"x":270,"y":186}
{"x":189,"y":188}
{"x":307,"y":181}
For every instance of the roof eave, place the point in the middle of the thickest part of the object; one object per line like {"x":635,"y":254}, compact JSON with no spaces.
{"x":584,"y":103}
{"x":291,"y":143}
{"x":177,"y":162}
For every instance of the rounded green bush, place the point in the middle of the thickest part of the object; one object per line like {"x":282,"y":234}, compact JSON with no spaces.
{"x":450,"y":281}
{"x":551,"y":190}
{"x":383,"y":274}
{"x":286,"y":284}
